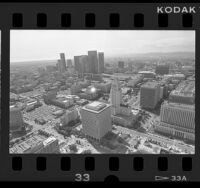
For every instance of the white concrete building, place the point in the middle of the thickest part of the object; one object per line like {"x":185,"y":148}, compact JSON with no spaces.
{"x":96,"y":119}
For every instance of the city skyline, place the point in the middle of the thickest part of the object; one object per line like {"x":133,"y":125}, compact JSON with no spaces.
{"x":47,"y":44}
{"x":84,"y":103}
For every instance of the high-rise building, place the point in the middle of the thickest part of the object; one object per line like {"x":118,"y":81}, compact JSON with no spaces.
{"x":149,"y":95}
{"x":96,"y":120}
{"x":16,"y":119}
{"x":121,"y":64}
{"x":62,"y":62}
{"x":69,"y":63}
{"x":101,"y":62}
{"x":77,"y":64}
{"x":121,"y":114}
{"x":177,"y":120}
{"x":116,"y":96}
{"x":93,"y":61}
{"x":85,"y":68}
{"x":162,"y":69}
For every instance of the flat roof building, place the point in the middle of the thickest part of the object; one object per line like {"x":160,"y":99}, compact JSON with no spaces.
{"x":36,"y":143}
{"x":177,"y":120}
{"x":149,"y":95}
{"x":147,"y":74}
{"x":96,"y":119}
{"x":184,"y":93}
{"x":93,"y":61}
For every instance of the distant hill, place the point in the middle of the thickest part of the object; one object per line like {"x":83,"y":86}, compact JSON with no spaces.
{"x":159,"y":55}
{"x":154,"y":55}
{"x":35,"y":62}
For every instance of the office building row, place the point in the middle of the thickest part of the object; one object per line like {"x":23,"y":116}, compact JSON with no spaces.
{"x":63,"y":64}
{"x":36,"y":144}
{"x":91,"y":63}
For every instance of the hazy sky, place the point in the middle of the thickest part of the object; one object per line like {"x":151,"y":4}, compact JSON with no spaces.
{"x":47,"y":44}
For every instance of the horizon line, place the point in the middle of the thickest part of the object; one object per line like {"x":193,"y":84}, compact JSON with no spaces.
{"x":29,"y":60}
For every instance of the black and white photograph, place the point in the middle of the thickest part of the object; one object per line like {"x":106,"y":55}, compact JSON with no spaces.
{"x":102,"y":92}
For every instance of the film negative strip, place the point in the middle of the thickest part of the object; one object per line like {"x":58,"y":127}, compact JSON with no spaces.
{"x":99,"y":92}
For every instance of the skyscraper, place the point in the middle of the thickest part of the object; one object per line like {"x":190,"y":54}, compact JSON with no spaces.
{"x":84,"y":64}
{"x":116,"y":96}
{"x":69,"y":63}
{"x":121,"y":113}
{"x":101,"y":62}
{"x":59,"y":66}
{"x":77,"y":63}
{"x":149,"y":95}
{"x":96,"y":119}
{"x":62,"y":62}
{"x":93,"y":61}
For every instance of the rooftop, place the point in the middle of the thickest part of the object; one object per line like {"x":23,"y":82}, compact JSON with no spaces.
{"x":96,"y":106}
{"x":185,"y":89}
{"x":27,"y":144}
{"x":173,"y":104}
{"x":49,"y":140}
{"x":146,"y":72}
{"x":150,"y":85}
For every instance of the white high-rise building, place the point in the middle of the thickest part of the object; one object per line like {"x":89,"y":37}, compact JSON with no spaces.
{"x":96,"y":119}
